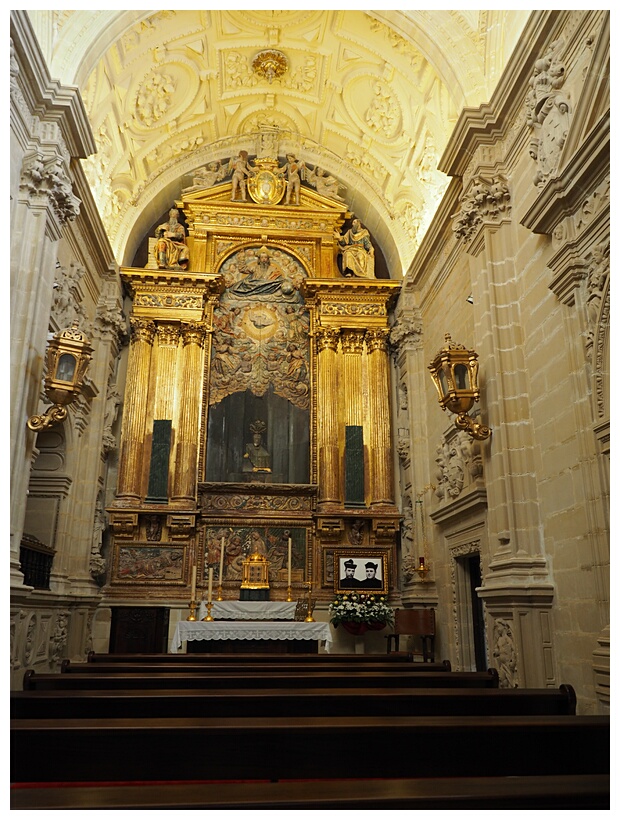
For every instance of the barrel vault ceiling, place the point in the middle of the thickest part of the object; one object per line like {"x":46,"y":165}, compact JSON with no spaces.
{"x":371,"y":96}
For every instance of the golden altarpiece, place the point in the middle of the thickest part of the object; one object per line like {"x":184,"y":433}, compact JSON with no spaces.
{"x":257,"y":400}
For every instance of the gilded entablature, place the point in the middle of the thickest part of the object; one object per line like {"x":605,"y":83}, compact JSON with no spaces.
{"x":277,"y":498}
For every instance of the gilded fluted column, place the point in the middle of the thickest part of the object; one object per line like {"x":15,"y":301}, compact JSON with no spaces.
{"x":381,"y":471}
{"x":184,"y":479}
{"x":134,"y":413}
{"x":352,"y":349}
{"x":327,"y":434}
{"x":167,"y":349}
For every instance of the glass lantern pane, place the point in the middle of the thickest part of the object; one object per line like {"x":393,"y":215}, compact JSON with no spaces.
{"x":461,"y":377}
{"x":65,"y":369}
{"x":443,"y":381}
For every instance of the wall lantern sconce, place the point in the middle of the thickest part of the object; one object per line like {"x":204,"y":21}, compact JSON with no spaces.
{"x":455,"y":374}
{"x":67,"y":356}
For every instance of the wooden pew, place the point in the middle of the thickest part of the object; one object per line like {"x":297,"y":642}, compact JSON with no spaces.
{"x":279,"y":748}
{"x":255,"y":668}
{"x":244,"y":679}
{"x":213,"y":659}
{"x":292,"y":703}
{"x":551,"y":792}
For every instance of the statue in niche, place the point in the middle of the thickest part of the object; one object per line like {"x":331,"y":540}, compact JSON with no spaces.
{"x":240,"y":171}
{"x":325,"y":184}
{"x":293,"y":169}
{"x":358,"y":254}
{"x":170,"y":249}
{"x":257,"y":455}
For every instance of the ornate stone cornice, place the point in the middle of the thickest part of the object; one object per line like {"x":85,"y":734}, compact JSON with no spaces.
{"x":48,"y":99}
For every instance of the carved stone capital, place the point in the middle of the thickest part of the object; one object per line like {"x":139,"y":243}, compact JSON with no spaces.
{"x":405,"y":333}
{"x":485,"y":202}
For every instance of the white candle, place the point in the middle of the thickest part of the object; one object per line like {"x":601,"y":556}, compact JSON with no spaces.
{"x":290,"y":544}
{"x":210,"y":585}
{"x":194,"y":583}
{"x":221,"y":560}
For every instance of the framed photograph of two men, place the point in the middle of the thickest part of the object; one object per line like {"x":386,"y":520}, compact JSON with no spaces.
{"x":363,"y":569}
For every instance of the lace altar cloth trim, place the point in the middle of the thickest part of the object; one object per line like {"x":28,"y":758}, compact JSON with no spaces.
{"x":248,"y":631}
{"x":250,"y":610}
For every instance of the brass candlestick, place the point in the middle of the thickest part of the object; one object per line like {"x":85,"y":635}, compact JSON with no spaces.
{"x":192,"y":611}
{"x":309,"y":619}
{"x":219,"y":593}
{"x":289,"y":594}
{"x":208,"y":617}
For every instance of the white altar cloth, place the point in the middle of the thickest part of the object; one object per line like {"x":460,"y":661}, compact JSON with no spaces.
{"x":250,"y":610}
{"x":248,"y":631}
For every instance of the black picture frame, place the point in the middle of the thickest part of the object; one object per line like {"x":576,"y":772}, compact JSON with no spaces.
{"x":376,"y":583}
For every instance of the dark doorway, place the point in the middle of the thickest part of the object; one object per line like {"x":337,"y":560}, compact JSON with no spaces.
{"x":477,"y":612}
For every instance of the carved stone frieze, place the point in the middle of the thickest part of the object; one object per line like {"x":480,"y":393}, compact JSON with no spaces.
{"x":505,"y":654}
{"x":110,"y":321}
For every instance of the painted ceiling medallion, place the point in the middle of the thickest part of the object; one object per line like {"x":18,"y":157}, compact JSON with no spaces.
{"x":270,"y":64}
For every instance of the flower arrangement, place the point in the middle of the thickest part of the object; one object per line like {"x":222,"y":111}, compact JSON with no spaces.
{"x":372,"y":611}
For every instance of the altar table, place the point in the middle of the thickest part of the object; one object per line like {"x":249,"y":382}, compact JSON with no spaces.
{"x":248,"y":631}
{"x":250,"y":610}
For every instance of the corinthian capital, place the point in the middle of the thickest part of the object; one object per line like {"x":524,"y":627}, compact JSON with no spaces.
{"x":142,"y":330}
